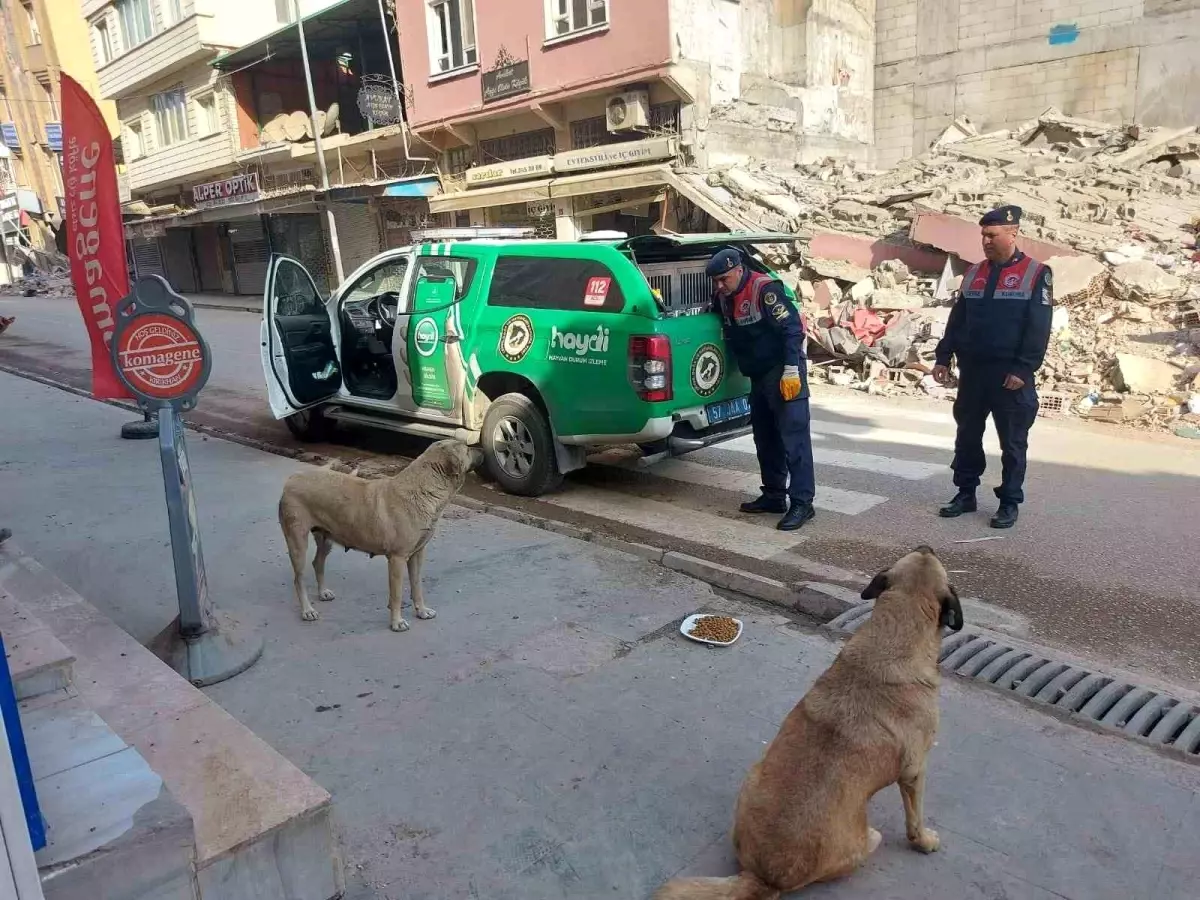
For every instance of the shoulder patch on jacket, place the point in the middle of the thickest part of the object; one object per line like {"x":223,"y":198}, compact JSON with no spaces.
{"x":1048,"y":288}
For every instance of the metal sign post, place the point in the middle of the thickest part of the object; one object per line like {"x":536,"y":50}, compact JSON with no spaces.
{"x":164,"y":362}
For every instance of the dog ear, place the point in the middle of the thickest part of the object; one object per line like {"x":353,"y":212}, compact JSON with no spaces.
{"x":878,"y":585}
{"x":952,"y":615}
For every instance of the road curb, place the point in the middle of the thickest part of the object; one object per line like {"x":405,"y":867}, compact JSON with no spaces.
{"x":228,"y":307}
{"x":821,"y":601}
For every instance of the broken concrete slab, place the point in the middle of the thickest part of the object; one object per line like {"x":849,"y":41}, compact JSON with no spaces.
{"x":861,"y":291}
{"x":961,"y":237}
{"x":1077,"y":278}
{"x":827,"y":294}
{"x":868,"y":253}
{"x":1144,"y":374}
{"x":839,"y":269}
{"x":893,"y":300}
{"x":1142,"y":280}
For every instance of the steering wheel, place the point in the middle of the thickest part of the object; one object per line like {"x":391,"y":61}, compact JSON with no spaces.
{"x":387,"y":305}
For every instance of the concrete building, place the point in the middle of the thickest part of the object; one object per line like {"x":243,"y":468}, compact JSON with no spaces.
{"x":216,"y":123}
{"x":40,"y":40}
{"x":1116,"y":60}
{"x":576,"y":115}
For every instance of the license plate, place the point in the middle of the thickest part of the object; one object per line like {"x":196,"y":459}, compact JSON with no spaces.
{"x":724,"y":410}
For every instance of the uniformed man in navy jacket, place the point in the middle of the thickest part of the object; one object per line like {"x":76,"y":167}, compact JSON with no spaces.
{"x":764,"y":334}
{"x":998,"y":331}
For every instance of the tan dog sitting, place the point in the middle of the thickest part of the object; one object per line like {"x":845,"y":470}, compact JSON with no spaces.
{"x":392,"y":517}
{"x":866,"y":723}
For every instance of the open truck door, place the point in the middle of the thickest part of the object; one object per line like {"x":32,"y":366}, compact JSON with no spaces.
{"x":299,"y":353}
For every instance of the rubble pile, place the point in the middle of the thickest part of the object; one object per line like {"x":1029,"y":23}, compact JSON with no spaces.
{"x":1113,"y":209}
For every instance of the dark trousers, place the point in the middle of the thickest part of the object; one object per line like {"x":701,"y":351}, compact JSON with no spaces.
{"x":782,"y":441}
{"x":981,"y":393}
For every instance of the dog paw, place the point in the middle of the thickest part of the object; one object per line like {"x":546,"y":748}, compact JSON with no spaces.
{"x":874,"y":839}
{"x":309,"y":615}
{"x":927,"y":841}
{"x":327,"y":595}
{"x":400,"y":626}
{"x":427,"y":613}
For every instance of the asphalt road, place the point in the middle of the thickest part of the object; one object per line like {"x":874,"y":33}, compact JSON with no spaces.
{"x":1105,"y":561}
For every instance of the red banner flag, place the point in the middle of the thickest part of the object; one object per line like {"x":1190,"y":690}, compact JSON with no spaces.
{"x":95,"y":235}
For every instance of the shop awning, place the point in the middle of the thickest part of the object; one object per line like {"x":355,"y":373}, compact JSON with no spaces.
{"x":609,"y":181}
{"x":605,"y":182}
{"x":423,"y":188}
{"x":411,"y":186}
{"x":526,"y":192}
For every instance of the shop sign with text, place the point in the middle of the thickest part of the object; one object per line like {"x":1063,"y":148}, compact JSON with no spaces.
{"x":533,"y":167}
{"x":615,"y":155}
{"x":506,"y":81}
{"x":239,"y":188}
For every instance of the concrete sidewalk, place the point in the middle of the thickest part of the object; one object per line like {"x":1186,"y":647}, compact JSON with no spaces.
{"x":550,"y":734}
{"x":250,"y":303}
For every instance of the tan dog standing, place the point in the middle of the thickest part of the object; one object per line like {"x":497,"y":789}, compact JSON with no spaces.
{"x":392,"y":517}
{"x":866,"y":723}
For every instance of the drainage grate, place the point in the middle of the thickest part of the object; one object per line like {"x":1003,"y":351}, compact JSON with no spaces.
{"x":1115,"y":704}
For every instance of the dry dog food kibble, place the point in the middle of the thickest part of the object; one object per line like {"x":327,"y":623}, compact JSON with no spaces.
{"x":715,"y":628}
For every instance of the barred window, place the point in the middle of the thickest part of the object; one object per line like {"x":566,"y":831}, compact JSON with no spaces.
{"x":593,"y":132}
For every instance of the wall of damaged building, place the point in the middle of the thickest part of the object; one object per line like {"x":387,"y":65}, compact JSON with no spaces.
{"x":1004,"y":63}
{"x":777,"y":81}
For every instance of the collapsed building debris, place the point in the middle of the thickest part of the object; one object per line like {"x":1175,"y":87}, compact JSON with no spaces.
{"x":1114,"y":210}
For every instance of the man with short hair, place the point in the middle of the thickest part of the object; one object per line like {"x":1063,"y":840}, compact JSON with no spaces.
{"x":765,"y":336}
{"x":998,"y":331}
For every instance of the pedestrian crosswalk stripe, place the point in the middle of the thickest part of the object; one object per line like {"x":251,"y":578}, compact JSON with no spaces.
{"x":849,"y":503}
{"x":847,"y":459}
{"x":874,"y":411}
{"x":872,"y":434}
{"x":744,"y":538}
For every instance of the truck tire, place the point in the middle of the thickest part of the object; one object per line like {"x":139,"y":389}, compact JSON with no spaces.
{"x":518,"y":447}
{"x":310,"y":425}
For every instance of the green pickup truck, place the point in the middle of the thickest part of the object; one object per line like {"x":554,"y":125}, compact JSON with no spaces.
{"x":534,"y":350}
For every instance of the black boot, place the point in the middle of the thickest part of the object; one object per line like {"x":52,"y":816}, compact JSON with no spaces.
{"x":963,"y":502}
{"x":1006,"y":516}
{"x":764,"y":504}
{"x":798,"y":513}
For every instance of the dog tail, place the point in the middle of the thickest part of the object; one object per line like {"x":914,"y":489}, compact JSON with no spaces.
{"x":746,"y":886}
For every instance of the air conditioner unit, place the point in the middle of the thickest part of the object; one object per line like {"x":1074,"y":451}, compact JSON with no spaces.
{"x":627,"y":111}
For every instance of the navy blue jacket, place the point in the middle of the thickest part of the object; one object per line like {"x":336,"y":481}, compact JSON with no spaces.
{"x":1011,"y":333}
{"x":764,"y":333}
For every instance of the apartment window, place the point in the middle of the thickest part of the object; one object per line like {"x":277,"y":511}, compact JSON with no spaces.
{"x":285,"y":12}
{"x":568,"y":16}
{"x":104,"y":45}
{"x":207,"y":119}
{"x":172,"y":11}
{"x":452,"y":35}
{"x":132,"y":145}
{"x":35,"y":33}
{"x":170,"y":116}
{"x":137,"y":23}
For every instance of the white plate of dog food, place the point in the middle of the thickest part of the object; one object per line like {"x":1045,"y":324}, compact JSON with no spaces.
{"x":711,"y":628}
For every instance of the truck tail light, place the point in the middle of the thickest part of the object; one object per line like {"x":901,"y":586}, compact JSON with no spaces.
{"x":650,"y":367}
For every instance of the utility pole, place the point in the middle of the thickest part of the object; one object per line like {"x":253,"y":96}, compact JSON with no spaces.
{"x":312,"y":108}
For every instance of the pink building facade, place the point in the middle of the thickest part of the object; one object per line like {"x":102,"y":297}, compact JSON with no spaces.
{"x":556,"y":115}
{"x":570,"y":116}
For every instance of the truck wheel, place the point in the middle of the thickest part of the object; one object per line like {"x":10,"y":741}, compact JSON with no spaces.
{"x":518,"y":447}
{"x":309,"y":425}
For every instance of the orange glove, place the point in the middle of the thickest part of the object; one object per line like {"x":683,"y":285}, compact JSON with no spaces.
{"x":789,"y":384}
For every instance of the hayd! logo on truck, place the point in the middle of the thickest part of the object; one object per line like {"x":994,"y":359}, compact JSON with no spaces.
{"x":581,"y":344}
